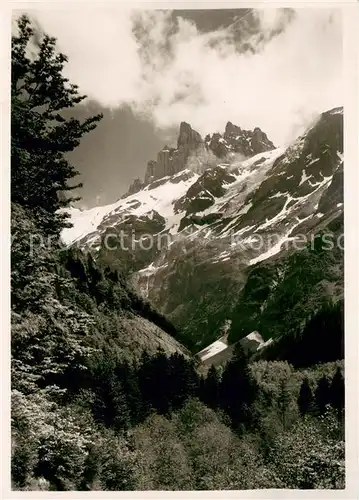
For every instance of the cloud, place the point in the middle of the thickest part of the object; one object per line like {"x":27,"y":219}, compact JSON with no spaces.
{"x":276,"y":76}
{"x":296,"y":74}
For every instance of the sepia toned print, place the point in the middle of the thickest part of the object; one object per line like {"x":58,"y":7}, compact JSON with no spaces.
{"x":177,"y":250}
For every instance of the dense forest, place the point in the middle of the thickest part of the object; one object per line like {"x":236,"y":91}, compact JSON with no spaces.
{"x":91,"y":413}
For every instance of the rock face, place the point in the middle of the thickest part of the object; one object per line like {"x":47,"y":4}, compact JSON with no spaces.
{"x":136,"y":186}
{"x":197,"y":154}
{"x":237,"y":141}
{"x":171,"y":160}
{"x":228,"y":241}
{"x":150,"y":172}
{"x":189,"y":141}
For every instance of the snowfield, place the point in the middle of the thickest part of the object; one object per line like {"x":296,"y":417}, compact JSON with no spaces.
{"x":160,"y":199}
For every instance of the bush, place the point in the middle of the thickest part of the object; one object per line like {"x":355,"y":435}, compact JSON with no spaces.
{"x":307,"y":458}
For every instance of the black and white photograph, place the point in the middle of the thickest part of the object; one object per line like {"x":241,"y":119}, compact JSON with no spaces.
{"x":177,"y":248}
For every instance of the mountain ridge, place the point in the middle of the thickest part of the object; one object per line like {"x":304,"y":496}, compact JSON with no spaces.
{"x":209,"y":222}
{"x":198,"y":154}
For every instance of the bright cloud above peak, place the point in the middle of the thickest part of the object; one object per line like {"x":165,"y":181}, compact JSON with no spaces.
{"x":272,"y":68}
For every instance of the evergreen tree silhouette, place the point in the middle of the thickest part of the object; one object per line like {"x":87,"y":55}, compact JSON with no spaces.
{"x":144,"y":381}
{"x":211,"y":386}
{"x":128,"y":377}
{"x":337,"y":392}
{"x":201,"y":388}
{"x":305,"y":398}
{"x":110,"y":405}
{"x":321,"y":340}
{"x":183,"y":380}
{"x":154,"y":379}
{"x":237,"y":390}
{"x":283,"y":401}
{"x":118,"y":410}
{"x":322,"y":395}
{"x":94,"y":276}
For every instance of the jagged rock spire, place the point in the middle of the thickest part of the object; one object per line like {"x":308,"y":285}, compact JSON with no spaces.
{"x":192,"y":148}
{"x":188,"y":137}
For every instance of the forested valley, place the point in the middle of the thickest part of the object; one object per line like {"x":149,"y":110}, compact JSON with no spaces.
{"x":92,"y":409}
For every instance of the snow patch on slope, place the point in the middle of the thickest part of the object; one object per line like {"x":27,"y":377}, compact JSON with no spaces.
{"x":84,"y":222}
{"x":159,"y":199}
{"x":278,"y":246}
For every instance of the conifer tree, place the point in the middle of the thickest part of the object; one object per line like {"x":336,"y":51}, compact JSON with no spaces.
{"x":154,"y":379}
{"x":305,"y":398}
{"x":283,"y":401}
{"x":128,"y":377}
{"x":40,"y":134}
{"x":110,"y":405}
{"x":211,"y":388}
{"x":337,"y":392}
{"x":237,"y":389}
{"x":322,"y":395}
{"x":178,"y":382}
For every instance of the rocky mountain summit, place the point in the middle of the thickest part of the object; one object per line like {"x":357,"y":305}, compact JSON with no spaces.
{"x":197,"y":154}
{"x":235,"y":140}
{"x":229,"y":242}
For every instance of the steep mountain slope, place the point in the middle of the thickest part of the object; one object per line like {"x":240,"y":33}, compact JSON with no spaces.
{"x":195,"y":240}
{"x":197,"y":154}
{"x":55,"y":279}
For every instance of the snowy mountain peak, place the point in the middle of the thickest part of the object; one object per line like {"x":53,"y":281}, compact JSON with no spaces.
{"x":198,"y":154}
{"x":219,"y":221}
{"x":238,"y":141}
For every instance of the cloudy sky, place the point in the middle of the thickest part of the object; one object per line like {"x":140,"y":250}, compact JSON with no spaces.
{"x":149,"y":70}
